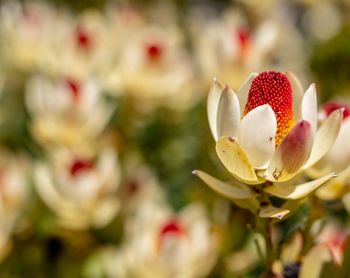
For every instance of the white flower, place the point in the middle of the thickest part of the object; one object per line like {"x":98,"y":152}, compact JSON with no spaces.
{"x":268,"y":133}
{"x":160,"y":243}
{"x":80,"y":188}
{"x":66,"y":111}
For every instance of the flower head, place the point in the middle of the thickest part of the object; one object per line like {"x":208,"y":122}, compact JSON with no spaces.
{"x":267,"y":134}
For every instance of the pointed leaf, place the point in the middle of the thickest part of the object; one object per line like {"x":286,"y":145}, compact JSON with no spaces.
{"x":296,"y":191}
{"x":270,"y":211}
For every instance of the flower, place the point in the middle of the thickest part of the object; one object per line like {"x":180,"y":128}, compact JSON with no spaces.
{"x":14,"y":195}
{"x":80,"y":188}
{"x":66,"y":111}
{"x":337,"y":159}
{"x":267,"y":134}
{"x":161,"y":243}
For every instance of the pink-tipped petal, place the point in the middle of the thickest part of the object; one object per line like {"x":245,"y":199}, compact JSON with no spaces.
{"x":228,"y":114}
{"x":212,"y":105}
{"x":257,"y":135}
{"x":235,"y":159}
{"x":291,"y":154}
{"x":325,"y":137}
{"x":309,"y":107}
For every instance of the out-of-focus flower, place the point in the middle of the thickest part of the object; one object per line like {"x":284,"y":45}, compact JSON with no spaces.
{"x":80,"y":188}
{"x":156,"y":68}
{"x":25,"y":30}
{"x":230,"y":48}
{"x":267,"y":134}
{"x":14,"y":193}
{"x":160,"y":243}
{"x":66,"y":111}
{"x":337,"y":159}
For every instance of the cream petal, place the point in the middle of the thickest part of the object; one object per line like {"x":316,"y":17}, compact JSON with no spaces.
{"x":235,"y":190}
{"x":228,"y":114}
{"x":309,"y":107}
{"x":291,"y":154}
{"x":212,"y":105}
{"x":243,"y":91}
{"x":339,"y":154}
{"x":298,"y":91}
{"x":257,"y":135}
{"x":325,"y":137}
{"x":234,"y":158}
{"x":336,"y":187}
{"x":295,"y":192}
{"x":270,"y":211}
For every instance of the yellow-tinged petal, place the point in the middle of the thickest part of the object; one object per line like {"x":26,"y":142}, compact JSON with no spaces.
{"x":291,"y":154}
{"x":325,"y":137}
{"x":228,"y":114}
{"x":314,"y":263}
{"x":233,"y":191}
{"x":309,"y":107}
{"x":270,"y":211}
{"x":243,"y":91}
{"x":297,"y":94}
{"x":237,"y":192}
{"x":294,"y":192}
{"x":212,"y":105}
{"x":235,"y":159}
{"x":257,"y":135}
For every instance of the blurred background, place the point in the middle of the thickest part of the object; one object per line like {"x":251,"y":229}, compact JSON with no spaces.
{"x":103,"y":118}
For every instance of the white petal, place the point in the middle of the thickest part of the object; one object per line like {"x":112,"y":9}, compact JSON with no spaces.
{"x":297,"y":94}
{"x":294,"y":192}
{"x":243,"y":91}
{"x":234,"y":158}
{"x":228,"y":114}
{"x":309,"y":107}
{"x":325,"y":137}
{"x":212,"y":105}
{"x":339,"y":154}
{"x":291,"y":154}
{"x":257,"y":135}
{"x":105,"y":211}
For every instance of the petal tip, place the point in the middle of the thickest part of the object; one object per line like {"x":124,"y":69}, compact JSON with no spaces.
{"x":195,"y":172}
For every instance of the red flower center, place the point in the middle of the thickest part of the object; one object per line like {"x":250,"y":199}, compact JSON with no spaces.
{"x":83,"y":38}
{"x":273,"y":88}
{"x":80,"y":165}
{"x":172,"y":227}
{"x":330,"y":106}
{"x":154,"y":52}
{"x":74,"y":88}
{"x":243,"y":37}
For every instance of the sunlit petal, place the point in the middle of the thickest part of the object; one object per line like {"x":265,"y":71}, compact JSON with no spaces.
{"x":235,"y":159}
{"x":243,"y":91}
{"x":325,"y":137}
{"x":309,"y":107}
{"x":228,"y":114}
{"x":257,"y":135}
{"x":212,"y":105}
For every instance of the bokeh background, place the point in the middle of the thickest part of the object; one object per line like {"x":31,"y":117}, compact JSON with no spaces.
{"x":103,"y":119}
